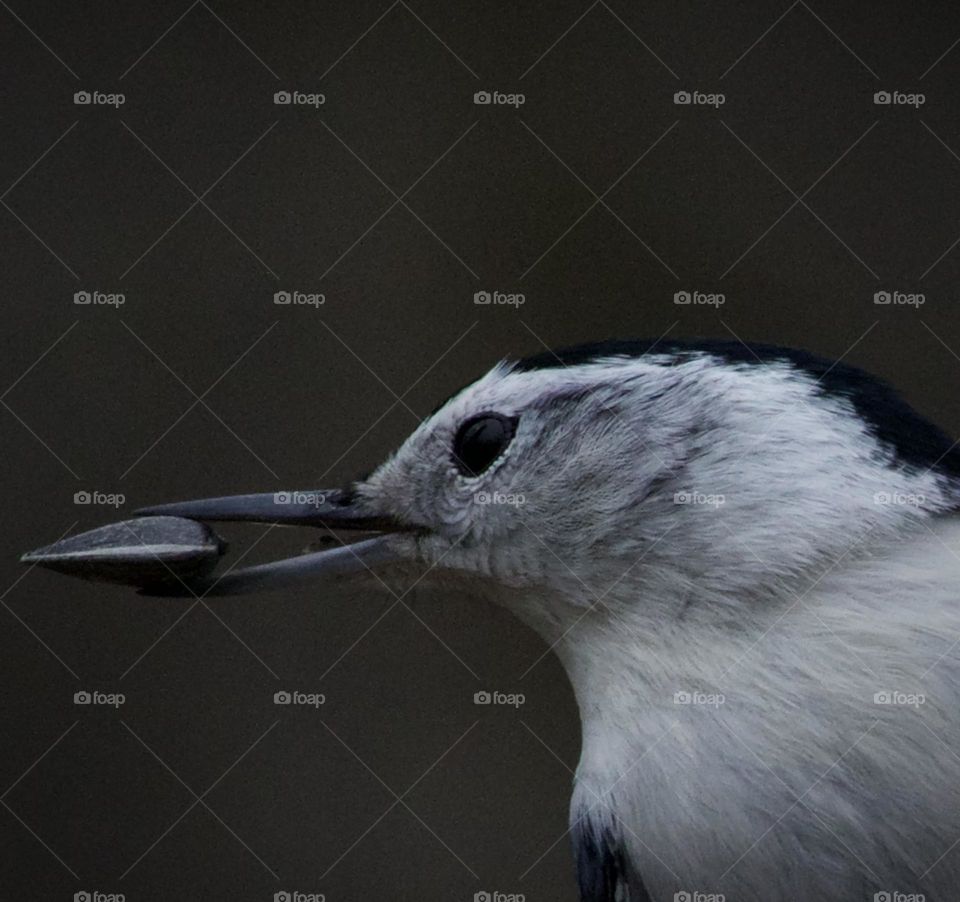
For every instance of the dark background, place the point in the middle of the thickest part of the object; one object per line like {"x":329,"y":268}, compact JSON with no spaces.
{"x":200,"y":385}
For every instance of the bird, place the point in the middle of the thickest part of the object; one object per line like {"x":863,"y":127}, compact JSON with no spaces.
{"x":746,"y":558}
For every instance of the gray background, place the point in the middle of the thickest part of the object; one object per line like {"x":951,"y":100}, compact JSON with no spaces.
{"x":199,"y":384}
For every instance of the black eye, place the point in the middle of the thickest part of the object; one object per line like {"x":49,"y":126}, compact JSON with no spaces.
{"x":480,"y":441}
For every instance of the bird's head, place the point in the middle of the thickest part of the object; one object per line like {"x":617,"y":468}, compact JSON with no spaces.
{"x":657,"y":476}
{"x":659,"y":481}
{"x":654,"y":513}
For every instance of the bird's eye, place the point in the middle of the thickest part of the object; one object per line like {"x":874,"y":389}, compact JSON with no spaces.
{"x":480,"y":441}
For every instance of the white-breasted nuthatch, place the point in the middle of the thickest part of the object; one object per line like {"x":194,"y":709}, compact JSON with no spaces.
{"x":748,"y":561}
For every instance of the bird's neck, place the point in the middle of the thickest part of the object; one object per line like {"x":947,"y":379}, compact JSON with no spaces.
{"x":632,"y":661}
{"x":629,"y":683}
{"x":688,"y":713}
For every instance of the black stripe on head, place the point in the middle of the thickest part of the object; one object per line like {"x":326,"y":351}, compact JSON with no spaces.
{"x":915,"y":440}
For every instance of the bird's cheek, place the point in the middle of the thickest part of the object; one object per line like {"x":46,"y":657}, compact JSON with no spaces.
{"x":452,"y":514}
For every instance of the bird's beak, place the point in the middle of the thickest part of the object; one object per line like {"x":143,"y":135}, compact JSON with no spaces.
{"x":169,"y":551}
